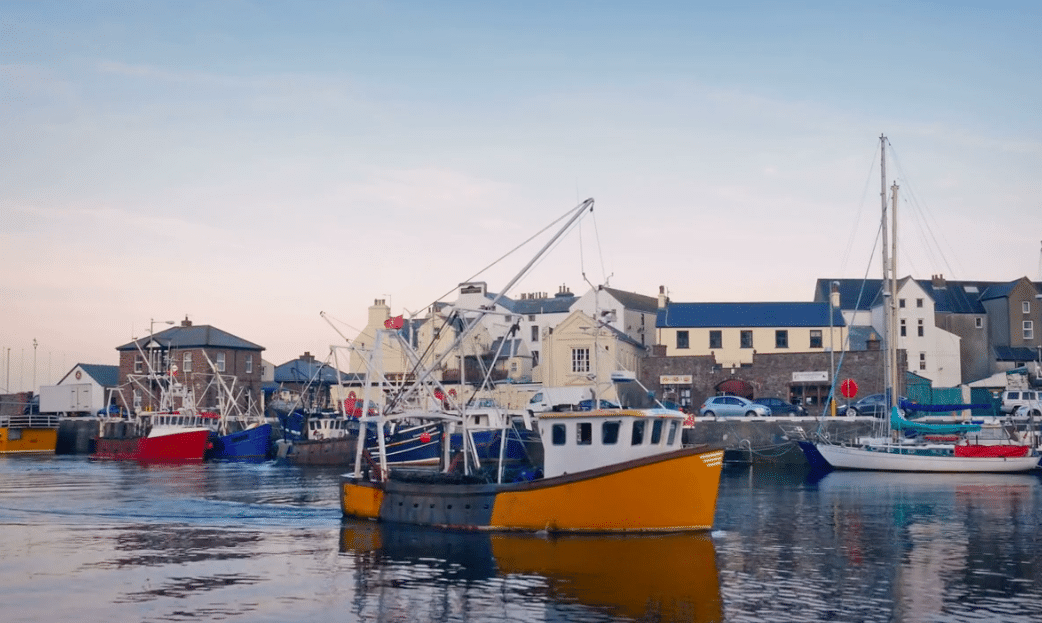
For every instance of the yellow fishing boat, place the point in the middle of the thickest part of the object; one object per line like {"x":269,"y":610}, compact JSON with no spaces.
{"x":28,"y":434}
{"x":604,"y":471}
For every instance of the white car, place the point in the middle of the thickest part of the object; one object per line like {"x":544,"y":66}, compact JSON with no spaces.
{"x":729,"y":406}
{"x":1022,"y":402}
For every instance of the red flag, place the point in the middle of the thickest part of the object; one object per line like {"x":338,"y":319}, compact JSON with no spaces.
{"x":394,"y":323}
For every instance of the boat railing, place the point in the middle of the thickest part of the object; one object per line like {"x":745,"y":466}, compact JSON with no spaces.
{"x":35,"y":420}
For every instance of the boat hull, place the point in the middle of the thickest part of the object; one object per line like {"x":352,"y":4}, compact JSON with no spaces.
{"x":251,"y":444}
{"x":17,"y":440}
{"x":339,"y":451}
{"x":850,"y":457}
{"x":665,"y":493}
{"x":176,"y":447}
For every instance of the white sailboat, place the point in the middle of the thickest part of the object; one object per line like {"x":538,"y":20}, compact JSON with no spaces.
{"x":931,"y":447}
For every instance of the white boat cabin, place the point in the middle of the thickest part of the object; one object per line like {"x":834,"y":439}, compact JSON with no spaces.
{"x":330,"y":427}
{"x":579,"y":441}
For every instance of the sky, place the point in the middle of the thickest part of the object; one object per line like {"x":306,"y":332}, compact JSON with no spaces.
{"x":252,"y":165}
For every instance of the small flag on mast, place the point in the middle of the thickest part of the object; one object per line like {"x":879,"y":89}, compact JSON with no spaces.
{"x":395,"y":322}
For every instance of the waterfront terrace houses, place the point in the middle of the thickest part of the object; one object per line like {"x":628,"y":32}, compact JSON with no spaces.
{"x":733,"y":333}
{"x":954,"y":331}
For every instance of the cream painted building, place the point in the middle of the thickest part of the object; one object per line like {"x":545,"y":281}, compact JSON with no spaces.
{"x":734,"y":332}
{"x":581,"y":353}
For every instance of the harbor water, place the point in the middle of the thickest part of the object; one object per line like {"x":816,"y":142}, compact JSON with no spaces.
{"x":114,"y":541}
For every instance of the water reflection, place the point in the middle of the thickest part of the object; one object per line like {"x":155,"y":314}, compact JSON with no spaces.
{"x":654,"y":577}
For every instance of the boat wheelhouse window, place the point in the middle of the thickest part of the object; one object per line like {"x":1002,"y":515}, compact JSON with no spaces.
{"x":610,"y":433}
{"x":537,"y":398}
{"x":673,"y":426}
{"x":637,"y":438}
{"x":557,"y":433}
{"x":656,"y":432}
{"x":584,"y":433}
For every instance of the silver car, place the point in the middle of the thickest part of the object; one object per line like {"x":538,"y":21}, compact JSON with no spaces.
{"x":729,"y":406}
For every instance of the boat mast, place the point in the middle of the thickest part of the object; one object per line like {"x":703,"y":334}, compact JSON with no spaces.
{"x":890,"y":371}
{"x":887,"y":291}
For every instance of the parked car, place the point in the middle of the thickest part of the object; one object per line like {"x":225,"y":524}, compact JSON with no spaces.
{"x":780,"y":407}
{"x":1026,"y":401}
{"x":729,"y":406}
{"x":873,"y":404}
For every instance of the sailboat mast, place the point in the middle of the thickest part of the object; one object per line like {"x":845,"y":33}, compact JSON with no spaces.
{"x":892,"y":351}
{"x":888,"y":294}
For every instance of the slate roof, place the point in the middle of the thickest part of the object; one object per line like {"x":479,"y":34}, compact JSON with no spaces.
{"x":106,"y":376}
{"x":557,"y":304}
{"x":634,"y":301}
{"x":1015,"y":353}
{"x":747,"y":315}
{"x":193,"y":336}
{"x":305,"y":370}
{"x":954,"y":297}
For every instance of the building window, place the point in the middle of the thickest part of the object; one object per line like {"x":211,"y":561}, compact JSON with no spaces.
{"x":535,"y":333}
{"x":901,"y":303}
{"x":535,"y":359}
{"x":531,"y":317}
{"x":815,"y":338}
{"x":979,"y":323}
{"x":922,"y":361}
{"x":747,"y":339}
{"x":220,"y":362}
{"x":904,"y":328}
{"x":249,"y":364}
{"x":139,"y":365}
{"x":921,"y":328}
{"x":1026,"y":306}
{"x":1029,"y":330}
{"x":918,"y":302}
{"x":682,"y":339}
{"x":781,"y":338}
{"x":186,"y":362}
{"x":715,"y":339}
{"x":580,"y":360}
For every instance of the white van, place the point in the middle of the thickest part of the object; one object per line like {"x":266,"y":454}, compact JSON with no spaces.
{"x":558,"y":398}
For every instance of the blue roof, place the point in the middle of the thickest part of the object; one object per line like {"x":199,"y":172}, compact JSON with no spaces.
{"x":712,"y":315}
